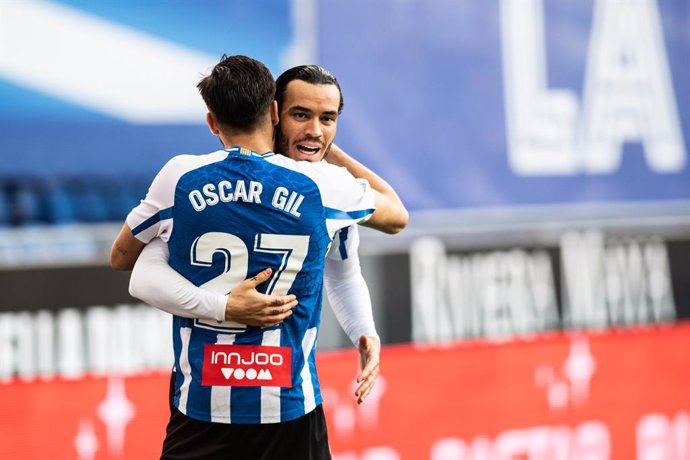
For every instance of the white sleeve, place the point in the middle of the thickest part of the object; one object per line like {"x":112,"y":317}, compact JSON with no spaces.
{"x":346,"y":199}
{"x":159,"y":285}
{"x":346,"y":289}
{"x":153,"y":216}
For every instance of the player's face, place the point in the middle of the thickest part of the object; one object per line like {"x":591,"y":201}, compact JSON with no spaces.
{"x":308,"y":120}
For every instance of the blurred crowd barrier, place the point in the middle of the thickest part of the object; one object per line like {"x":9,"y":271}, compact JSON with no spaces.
{"x":84,"y":199}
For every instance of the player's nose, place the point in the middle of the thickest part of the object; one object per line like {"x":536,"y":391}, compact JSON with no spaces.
{"x":313,"y":128}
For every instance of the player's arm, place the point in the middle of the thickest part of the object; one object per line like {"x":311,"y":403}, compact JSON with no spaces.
{"x":159,"y":285}
{"x":391,"y":216}
{"x":146,"y":221}
{"x":152,"y":218}
{"x":349,"y":297}
{"x":125,"y":250}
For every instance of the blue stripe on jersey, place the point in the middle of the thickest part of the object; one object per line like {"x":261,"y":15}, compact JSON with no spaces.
{"x":177,"y":346}
{"x":153,"y":220}
{"x":314,"y":376}
{"x":198,"y":401}
{"x":245,"y":402}
{"x":343,"y":238}
{"x":332,"y":213}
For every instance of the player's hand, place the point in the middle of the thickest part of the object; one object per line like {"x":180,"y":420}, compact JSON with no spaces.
{"x":369,"y":356}
{"x":248,"y":306}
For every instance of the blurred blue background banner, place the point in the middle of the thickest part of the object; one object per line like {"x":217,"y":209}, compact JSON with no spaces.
{"x":109,"y":87}
{"x":501,"y":103}
{"x":459,"y":104}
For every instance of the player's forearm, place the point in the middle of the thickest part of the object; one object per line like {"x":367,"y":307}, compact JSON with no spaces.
{"x":349,"y":297}
{"x":339,"y":157}
{"x":391,"y":215}
{"x":125,"y":250}
{"x":159,"y":285}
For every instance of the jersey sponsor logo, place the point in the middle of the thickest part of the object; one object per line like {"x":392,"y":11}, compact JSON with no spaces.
{"x":247,"y":366}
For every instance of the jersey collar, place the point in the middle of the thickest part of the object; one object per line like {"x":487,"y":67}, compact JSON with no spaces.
{"x":244,"y":152}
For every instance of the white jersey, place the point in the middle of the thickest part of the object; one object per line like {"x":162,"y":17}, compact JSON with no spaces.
{"x":226,"y":216}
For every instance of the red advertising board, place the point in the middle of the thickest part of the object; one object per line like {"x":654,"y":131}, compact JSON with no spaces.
{"x":90,"y":418}
{"x":611,"y":395}
{"x":615,"y":395}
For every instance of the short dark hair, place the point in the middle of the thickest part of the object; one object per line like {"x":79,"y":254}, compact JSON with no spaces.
{"x":308,"y":73}
{"x":239,"y":92}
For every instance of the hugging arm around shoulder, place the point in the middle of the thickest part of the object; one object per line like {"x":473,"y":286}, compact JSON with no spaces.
{"x":390,"y":216}
{"x":155,"y":282}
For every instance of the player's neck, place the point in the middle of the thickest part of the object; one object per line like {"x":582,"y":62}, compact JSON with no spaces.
{"x":257,"y":141}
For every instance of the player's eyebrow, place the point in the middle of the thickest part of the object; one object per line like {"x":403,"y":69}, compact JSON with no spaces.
{"x":299,"y":108}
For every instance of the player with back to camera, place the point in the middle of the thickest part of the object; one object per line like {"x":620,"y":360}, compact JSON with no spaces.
{"x":305,"y":132}
{"x":251,"y":210}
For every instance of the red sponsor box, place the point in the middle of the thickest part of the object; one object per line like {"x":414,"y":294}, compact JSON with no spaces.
{"x":247,"y":365}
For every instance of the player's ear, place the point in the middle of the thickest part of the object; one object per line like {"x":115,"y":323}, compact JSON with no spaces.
{"x":274,"y":113}
{"x":212,"y":125}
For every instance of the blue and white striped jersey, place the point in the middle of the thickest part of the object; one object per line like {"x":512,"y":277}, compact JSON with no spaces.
{"x":226,"y":216}
{"x":345,"y":244}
